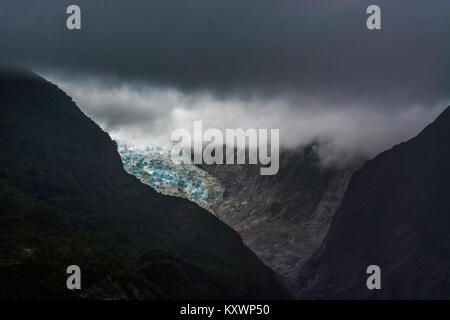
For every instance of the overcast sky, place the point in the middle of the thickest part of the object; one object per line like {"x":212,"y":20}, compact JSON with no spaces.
{"x":310,"y":68}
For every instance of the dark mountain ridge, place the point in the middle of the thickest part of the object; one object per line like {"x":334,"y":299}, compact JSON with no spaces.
{"x":66,"y":199}
{"x":395,"y":214}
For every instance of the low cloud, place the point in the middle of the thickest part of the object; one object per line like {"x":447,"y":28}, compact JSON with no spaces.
{"x":144,"y":114}
{"x":310,"y":68}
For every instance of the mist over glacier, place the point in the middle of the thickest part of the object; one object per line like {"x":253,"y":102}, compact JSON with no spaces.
{"x":142,"y":115}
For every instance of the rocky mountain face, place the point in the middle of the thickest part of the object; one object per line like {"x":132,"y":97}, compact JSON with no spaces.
{"x":283,"y":218}
{"x":66,"y":199}
{"x":395,"y":214}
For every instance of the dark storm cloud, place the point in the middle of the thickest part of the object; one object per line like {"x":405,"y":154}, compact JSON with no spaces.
{"x":320,"y":46}
{"x":310,"y":68}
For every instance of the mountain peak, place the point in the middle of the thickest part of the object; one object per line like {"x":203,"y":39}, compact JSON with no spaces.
{"x":443,"y":116}
{"x":64,"y":194}
{"x":395,"y":214}
{"x":11,"y":73}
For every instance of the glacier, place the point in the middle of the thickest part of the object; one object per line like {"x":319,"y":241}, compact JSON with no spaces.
{"x":153,"y":166}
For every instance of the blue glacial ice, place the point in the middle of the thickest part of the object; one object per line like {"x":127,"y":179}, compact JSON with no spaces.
{"x":152,"y":165}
